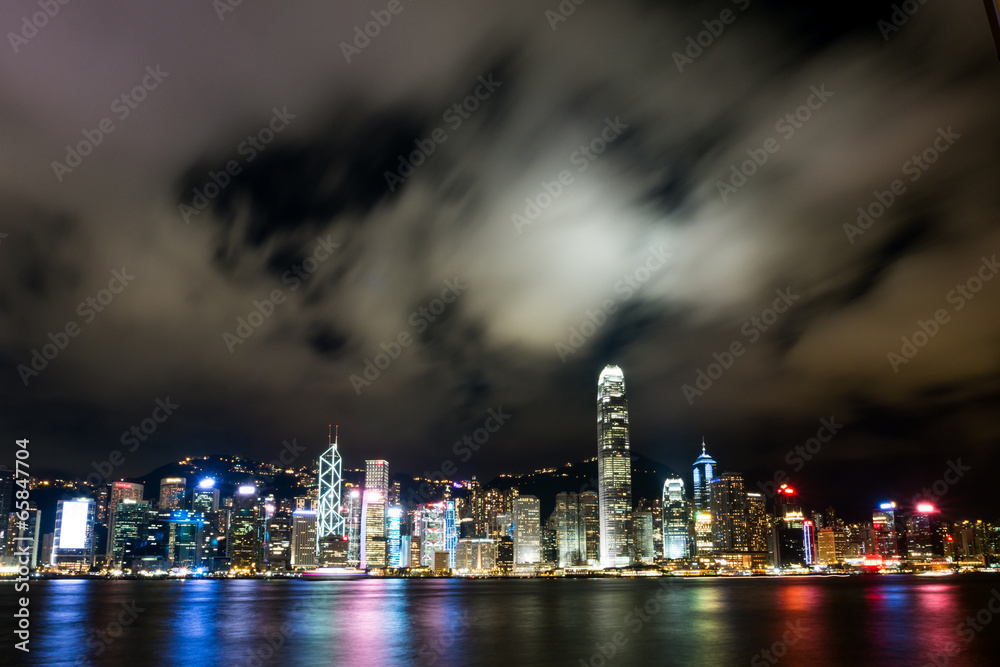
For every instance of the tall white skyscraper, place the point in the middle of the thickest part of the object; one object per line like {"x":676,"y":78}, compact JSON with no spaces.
{"x":527,"y":530}
{"x":676,"y":534}
{"x":329,"y":520}
{"x":614,"y":468}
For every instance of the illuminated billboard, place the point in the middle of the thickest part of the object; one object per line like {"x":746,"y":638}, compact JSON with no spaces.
{"x":73,"y":527}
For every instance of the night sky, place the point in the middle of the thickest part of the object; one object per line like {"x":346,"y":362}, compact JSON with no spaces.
{"x":536,"y":175}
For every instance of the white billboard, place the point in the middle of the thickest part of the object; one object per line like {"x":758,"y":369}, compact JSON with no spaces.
{"x":73,"y":528}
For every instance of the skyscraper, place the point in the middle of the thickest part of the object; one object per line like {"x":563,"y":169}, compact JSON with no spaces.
{"x":120,"y":492}
{"x":591,"y":517}
{"x":172,"y":491}
{"x":884,"y":521}
{"x":393,"y":527}
{"x":73,"y":548}
{"x":246,"y":531}
{"x":527,"y":530}
{"x":205,"y":498}
{"x":374,"y":501}
{"x":129,"y":531}
{"x":614,"y":468}
{"x":675,"y":520}
{"x":303,"y":539}
{"x":729,"y":513}
{"x":570,"y":532}
{"x":703,"y":473}
{"x":330,"y":520}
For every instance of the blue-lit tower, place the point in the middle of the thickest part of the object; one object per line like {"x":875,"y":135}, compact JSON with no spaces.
{"x":703,"y":473}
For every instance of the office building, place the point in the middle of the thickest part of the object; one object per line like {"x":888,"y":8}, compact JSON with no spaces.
{"x":172,"y":490}
{"x":527,"y":530}
{"x":129,"y":532}
{"x":729,"y":513}
{"x":205,"y":498}
{"x":884,"y":523}
{"x":304,"y":545}
{"x":614,"y":468}
{"x":246,"y":531}
{"x":676,"y":531}
{"x":476,"y":555}
{"x":590,"y":515}
{"x":73,"y":547}
{"x":393,"y":529}
{"x":118,"y":493}
{"x":643,"y":542}
{"x":570,"y":531}
{"x":702,"y":473}
{"x":330,"y":517}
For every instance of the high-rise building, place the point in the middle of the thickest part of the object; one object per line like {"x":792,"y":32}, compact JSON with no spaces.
{"x":826,"y":543}
{"x":374,"y":502}
{"x":205,"y":498}
{"x":278,"y":539}
{"x":393,"y":528}
{"x":920,"y":533}
{"x":330,"y":517}
{"x":590,"y":515}
{"x":729,"y":513}
{"x":703,"y":472}
{"x":373,"y":528}
{"x":73,"y":548}
{"x":377,"y":476}
{"x":570,"y":531}
{"x":184,"y":538}
{"x":758,"y":523}
{"x":527,"y":530}
{"x":476,"y":555}
{"x":353,"y":515}
{"x":431,"y":525}
{"x":614,"y":468}
{"x":304,"y":546}
{"x":119,"y":493}
{"x":643,"y":544}
{"x":20,"y":537}
{"x":704,"y":538}
{"x":676,"y":533}
{"x":6,"y":493}
{"x":172,"y":490}
{"x":129,"y":531}
{"x":884,"y":522}
{"x":246,"y":531}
